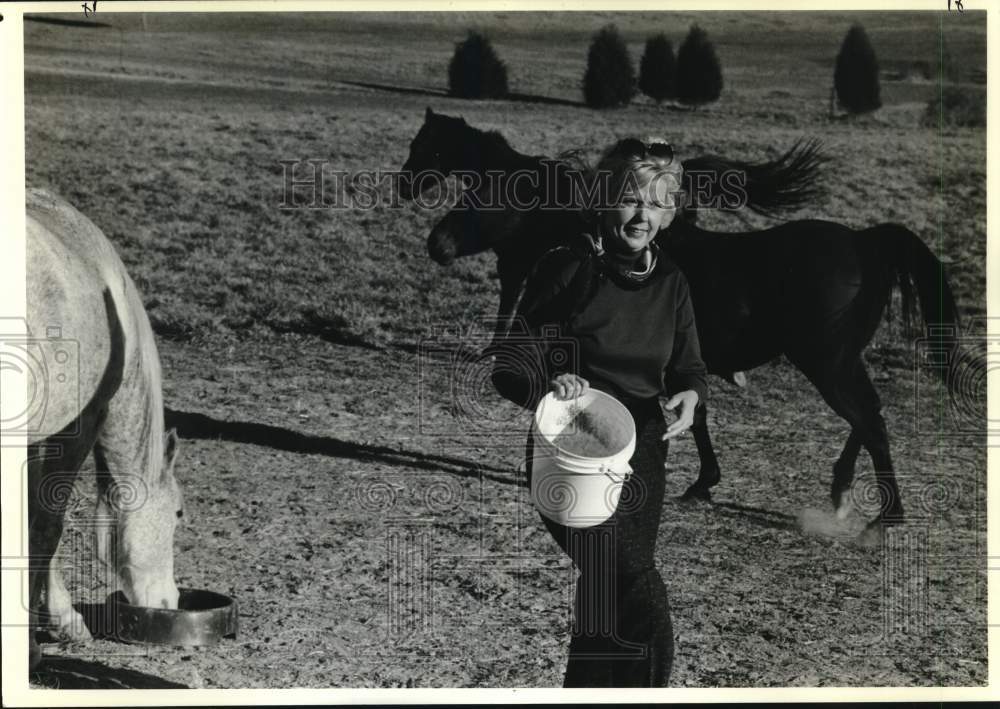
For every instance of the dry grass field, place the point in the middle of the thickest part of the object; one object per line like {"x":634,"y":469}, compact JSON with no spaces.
{"x":362,"y":499}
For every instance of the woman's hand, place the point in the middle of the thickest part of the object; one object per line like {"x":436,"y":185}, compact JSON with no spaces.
{"x":687,"y":401}
{"x":569,"y":386}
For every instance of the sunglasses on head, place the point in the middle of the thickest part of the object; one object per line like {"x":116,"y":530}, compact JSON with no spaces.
{"x":634,"y":146}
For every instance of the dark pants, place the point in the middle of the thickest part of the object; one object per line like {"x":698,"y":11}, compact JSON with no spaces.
{"x":622,"y":635}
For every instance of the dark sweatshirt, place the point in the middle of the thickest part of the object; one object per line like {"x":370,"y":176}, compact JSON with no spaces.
{"x":634,"y":341}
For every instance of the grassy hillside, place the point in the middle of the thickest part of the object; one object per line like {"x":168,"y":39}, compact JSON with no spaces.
{"x":297,"y":331}
{"x":196,"y":122}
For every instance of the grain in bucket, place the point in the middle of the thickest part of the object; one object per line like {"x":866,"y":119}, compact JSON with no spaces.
{"x":581,"y":451}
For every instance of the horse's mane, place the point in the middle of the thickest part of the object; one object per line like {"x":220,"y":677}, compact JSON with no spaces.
{"x":784,"y":183}
{"x":493,"y":139}
{"x":148,"y":361}
{"x":494,"y":143}
{"x":575,"y":159}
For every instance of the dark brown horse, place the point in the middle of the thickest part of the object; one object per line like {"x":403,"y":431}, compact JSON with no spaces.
{"x":535,"y":208}
{"x":814,"y":291}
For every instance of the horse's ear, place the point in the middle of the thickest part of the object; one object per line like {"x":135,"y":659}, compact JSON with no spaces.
{"x":428,"y":114}
{"x":171,"y":442}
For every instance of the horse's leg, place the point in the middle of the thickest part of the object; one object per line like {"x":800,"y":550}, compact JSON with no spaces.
{"x":851,"y":394}
{"x":105,"y":527}
{"x":44,"y":531}
{"x":52,"y":472}
{"x":843,"y":473}
{"x":876,"y":442}
{"x":508,"y":296}
{"x":709,"y":474}
{"x":66,"y":622}
{"x":511,"y":280}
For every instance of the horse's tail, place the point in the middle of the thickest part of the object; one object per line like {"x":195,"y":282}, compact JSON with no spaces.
{"x":768,"y":188}
{"x":921,"y":274}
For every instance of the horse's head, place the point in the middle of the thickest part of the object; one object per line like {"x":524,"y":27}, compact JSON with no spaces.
{"x":145,"y":514}
{"x":465,"y":231}
{"x":434,"y":149}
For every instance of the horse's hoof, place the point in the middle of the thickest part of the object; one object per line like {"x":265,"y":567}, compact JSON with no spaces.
{"x":872,"y":536}
{"x":736,"y":378}
{"x":875,"y":531}
{"x":840,"y":487}
{"x":842,"y":506}
{"x":72,"y":634}
{"x":71,"y":628}
{"x":696,"y":493}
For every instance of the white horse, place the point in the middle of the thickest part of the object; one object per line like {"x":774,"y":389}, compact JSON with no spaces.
{"x":110,"y":403}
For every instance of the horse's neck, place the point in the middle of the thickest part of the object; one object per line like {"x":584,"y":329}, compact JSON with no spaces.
{"x":490,"y":151}
{"x":134,"y":422}
{"x":539,"y":232}
{"x":681,"y":241}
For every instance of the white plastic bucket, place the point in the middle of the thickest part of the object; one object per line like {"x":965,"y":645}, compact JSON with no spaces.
{"x":581,"y":451}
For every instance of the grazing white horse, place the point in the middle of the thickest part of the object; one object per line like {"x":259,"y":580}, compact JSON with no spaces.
{"x":111,"y":403}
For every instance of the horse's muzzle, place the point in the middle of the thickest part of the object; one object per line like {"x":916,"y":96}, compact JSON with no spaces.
{"x":441,"y":247}
{"x":156,"y":592}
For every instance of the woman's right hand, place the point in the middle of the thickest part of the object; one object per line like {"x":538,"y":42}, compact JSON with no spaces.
{"x":569,"y":386}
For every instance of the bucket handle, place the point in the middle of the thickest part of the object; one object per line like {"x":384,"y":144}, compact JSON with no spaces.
{"x":617,"y":477}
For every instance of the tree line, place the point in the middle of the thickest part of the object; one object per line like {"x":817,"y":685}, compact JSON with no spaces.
{"x":692,"y":77}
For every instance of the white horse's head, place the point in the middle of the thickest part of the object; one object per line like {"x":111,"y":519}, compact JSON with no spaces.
{"x":145,"y":514}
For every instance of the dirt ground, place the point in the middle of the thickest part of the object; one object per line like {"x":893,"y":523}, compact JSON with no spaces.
{"x":355,"y":484}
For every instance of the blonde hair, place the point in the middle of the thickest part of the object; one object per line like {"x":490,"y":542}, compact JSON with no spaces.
{"x":619,"y":163}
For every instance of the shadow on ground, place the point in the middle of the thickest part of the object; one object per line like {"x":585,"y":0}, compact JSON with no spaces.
{"x":440,"y":93}
{"x":200,"y":426}
{"x":74,"y":673}
{"x":755,"y":515}
{"x":65,"y":22}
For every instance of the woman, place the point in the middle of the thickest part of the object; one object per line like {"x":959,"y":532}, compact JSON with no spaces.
{"x":625,"y":326}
